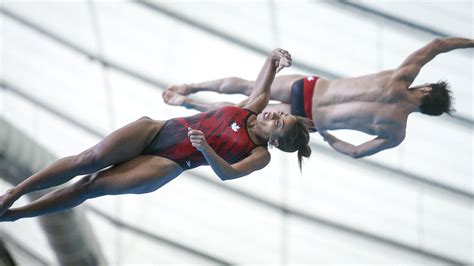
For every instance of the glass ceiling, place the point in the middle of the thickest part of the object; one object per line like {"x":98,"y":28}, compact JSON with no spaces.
{"x":199,"y":211}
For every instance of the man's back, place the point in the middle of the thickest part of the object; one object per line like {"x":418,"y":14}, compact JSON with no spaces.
{"x":373,"y":104}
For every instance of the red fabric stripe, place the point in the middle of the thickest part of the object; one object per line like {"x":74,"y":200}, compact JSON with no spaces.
{"x":308,"y":96}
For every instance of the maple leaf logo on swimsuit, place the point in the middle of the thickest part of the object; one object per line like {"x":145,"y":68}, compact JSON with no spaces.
{"x":235,"y":127}
{"x":309,"y":78}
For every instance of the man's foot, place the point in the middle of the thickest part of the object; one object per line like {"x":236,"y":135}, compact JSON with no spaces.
{"x":183,"y":89}
{"x":173,"y":98}
{"x":6,"y":201}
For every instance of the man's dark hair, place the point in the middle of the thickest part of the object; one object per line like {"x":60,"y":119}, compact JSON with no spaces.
{"x":438,"y":101}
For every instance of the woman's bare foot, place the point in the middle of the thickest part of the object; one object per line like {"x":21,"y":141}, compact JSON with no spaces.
{"x":173,"y":98}
{"x":6,"y":201}
{"x":7,"y":217}
{"x":183,"y":89}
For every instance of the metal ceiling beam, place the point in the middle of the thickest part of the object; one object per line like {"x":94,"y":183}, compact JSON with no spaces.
{"x":230,"y":38}
{"x":68,"y":233}
{"x":316,"y":219}
{"x":80,"y":50}
{"x":6,"y":259}
{"x":157,"y":238}
{"x":11,"y":243}
{"x":386,"y":16}
{"x":20,"y":93}
{"x":399,"y":174}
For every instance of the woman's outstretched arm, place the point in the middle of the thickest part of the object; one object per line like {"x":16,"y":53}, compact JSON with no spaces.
{"x":260,"y":96}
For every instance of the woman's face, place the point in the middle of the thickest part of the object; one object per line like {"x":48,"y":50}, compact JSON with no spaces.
{"x":275,"y":124}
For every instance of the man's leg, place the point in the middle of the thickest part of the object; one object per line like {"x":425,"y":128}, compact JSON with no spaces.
{"x":281,"y":87}
{"x":142,"y":174}
{"x":230,"y":85}
{"x":173,"y":98}
{"x":280,"y":91}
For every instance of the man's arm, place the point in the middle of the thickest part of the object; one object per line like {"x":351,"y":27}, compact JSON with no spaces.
{"x":412,"y":65}
{"x":364,"y":149}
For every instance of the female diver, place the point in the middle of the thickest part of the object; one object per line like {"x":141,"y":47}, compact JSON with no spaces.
{"x":146,"y":154}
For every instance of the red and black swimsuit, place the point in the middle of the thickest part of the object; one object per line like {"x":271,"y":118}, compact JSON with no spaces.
{"x":225,"y":130}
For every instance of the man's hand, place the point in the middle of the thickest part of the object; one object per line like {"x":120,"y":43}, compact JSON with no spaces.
{"x":198,"y":140}
{"x":281,"y":59}
{"x":339,"y":145}
{"x":327,"y":137}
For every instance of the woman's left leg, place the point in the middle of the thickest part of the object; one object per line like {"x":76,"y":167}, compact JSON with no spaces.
{"x":142,"y":174}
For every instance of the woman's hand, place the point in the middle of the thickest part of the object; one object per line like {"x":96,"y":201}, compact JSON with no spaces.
{"x":197,"y":139}
{"x":280,"y":58}
{"x":258,"y":158}
{"x":260,"y":95}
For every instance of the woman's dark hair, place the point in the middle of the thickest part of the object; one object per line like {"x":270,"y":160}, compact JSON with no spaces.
{"x":297,"y":139}
{"x":438,"y":101}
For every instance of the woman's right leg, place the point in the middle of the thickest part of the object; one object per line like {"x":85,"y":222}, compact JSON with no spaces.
{"x":121,"y":145}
